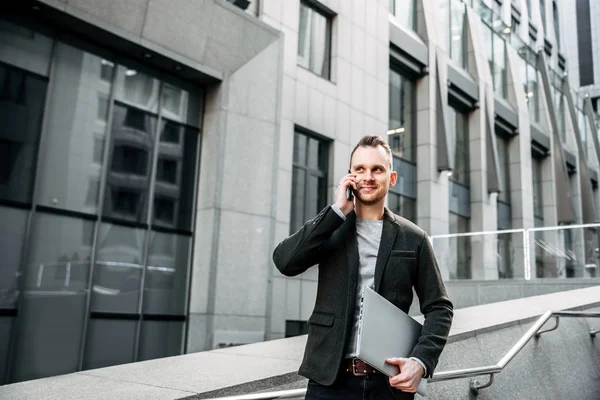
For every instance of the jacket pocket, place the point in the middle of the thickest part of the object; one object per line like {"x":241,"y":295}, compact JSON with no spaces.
{"x":403,"y":253}
{"x":321,"y":319}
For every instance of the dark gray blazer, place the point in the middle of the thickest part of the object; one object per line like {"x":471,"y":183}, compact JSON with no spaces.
{"x":405,"y":260}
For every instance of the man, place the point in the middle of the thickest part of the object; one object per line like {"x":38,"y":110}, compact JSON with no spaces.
{"x":360,"y":242}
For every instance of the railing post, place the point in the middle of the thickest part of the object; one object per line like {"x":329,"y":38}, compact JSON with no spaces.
{"x":527,"y":263}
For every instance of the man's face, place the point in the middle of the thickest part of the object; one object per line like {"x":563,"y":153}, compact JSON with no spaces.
{"x":373,"y":174}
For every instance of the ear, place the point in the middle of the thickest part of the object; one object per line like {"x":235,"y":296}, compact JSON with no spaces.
{"x":393,"y":178}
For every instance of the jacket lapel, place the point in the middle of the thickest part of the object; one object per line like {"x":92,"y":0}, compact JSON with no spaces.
{"x":388,"y":235}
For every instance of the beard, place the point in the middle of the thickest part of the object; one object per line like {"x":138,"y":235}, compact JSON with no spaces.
{"x":371,"y":201}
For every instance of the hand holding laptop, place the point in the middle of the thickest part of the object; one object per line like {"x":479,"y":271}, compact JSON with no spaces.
{"x":410,"y":374}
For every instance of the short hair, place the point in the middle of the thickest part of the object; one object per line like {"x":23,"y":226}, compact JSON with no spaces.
{"x":373,"y":141}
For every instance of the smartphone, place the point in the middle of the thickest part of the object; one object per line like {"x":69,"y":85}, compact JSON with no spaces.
{"x":349,"y":192}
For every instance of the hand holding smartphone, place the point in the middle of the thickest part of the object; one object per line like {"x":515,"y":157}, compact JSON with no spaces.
{"x":349,"y":193}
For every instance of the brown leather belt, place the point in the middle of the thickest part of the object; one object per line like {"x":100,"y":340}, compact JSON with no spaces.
{"x":358,"y":367}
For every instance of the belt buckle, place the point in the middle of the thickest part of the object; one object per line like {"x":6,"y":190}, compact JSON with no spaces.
{"x":355,"y":372}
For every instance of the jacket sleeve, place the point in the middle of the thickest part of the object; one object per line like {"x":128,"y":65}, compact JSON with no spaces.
{"x":436,"y":307}
{"x":303,"y":249}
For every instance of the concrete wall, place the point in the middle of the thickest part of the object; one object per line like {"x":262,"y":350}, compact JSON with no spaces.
{"x":560,"y":365}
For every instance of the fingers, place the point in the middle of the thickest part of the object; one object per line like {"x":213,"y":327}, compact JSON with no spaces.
{"x":409,"y":377}
{"x":348,"y":180}
{"x":341,"y":200}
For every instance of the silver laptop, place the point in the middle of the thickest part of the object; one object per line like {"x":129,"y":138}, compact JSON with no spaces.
{"x":385,"y":331}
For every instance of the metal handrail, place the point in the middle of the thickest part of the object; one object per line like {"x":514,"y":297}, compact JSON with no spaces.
{"x":475,"y":385}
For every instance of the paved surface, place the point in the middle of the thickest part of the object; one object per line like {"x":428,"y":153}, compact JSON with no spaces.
{"x":259,"y":366}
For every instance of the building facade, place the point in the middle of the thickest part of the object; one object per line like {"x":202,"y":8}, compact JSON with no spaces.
{"x":152,"y":154}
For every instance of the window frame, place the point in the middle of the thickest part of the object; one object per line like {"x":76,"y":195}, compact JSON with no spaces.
{"x":306,"y":61}
{"x":309,"y":172}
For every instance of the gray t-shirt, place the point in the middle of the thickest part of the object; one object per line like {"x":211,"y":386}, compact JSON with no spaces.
{"x":368,"y":234}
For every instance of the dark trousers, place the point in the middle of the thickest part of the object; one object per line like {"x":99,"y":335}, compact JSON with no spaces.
{"x":350,"y":387}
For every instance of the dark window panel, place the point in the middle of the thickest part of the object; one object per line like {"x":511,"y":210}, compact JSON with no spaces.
{"x":309,"y":179}
{"x":164,"y":211}
{"x":160,"y":339}
{"x":22,"y":97}
{"x":402,"y":206}
{"x":128,"y":181}
{"x":12,"y":235}
{"x":460,"y":248}
{"x":171,"y":132}
{"x":298,"y":199}
{"x":295,"y":328}
{"x":176,"y":177}
{"x":105,"y":347}
{"x":6,"y":326}
{"x":130,"y":160}
{"x":167,"y":170}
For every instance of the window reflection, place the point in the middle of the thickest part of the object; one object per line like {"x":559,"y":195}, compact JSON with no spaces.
{"x":457,"y":32}
{"x":405,"y":12}
{"x":459,"y":124}
{"x":401,"y":126}
{"x":460,"y":248}
{"x":314,"y":40}
{"x":118,"y":269}
{"x":22,"y":98}
{"x":175,"y":175}
{"x":309,"y":179}
{"x":128,"y":180}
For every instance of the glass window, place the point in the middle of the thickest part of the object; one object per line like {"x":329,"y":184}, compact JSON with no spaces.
{"x":457,"y":36}
{"x":309,"y":178}
{"x":130,"y":158}
{"x":459,"y":124}
{"x":556,"y":25}
{"x":160,"y":339}
{"x":499,"y":61}
{"x":22,"y":97}
{"x":24,"y":48}
{"x":314,"y":40}
{"x":295,"y":328}
{"x":166,"y":274}
{"x":538,"y":205}
{"x":559,"y":104}
{"x":403,"y":206}
{"x":105,"y":348}
{"x":72,"y":157}
{"x":405,"y":12}
{"x":12,"y":235}
{"x":401,"y":126}
{"x":543,"y":13}
{"x":531,"y":92}
{"x":118,"y":269}
{"x":402,"y":196}
{"x":504,"y":158}
{"x":460,"y":248}
{"x":52,"y":308}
